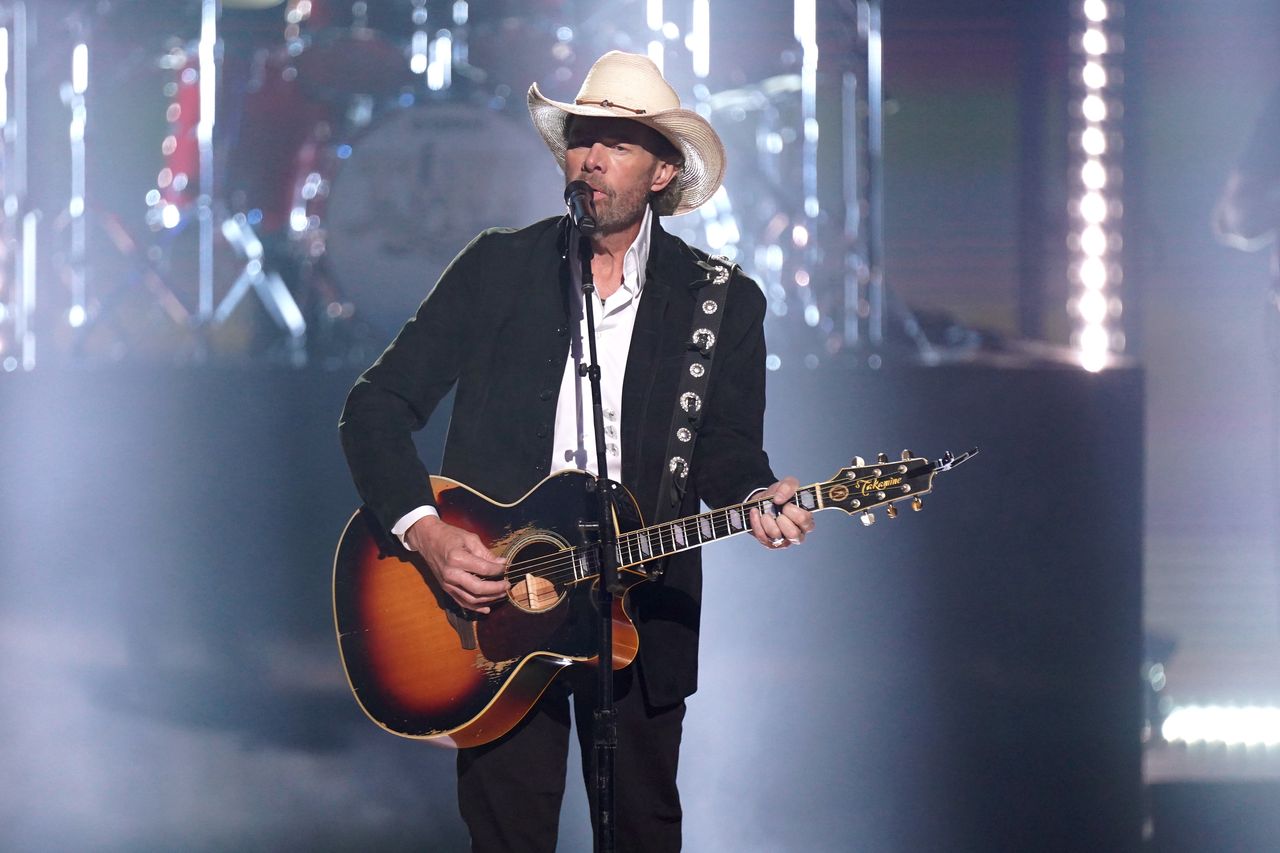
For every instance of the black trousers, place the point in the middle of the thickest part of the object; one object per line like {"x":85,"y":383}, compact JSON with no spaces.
{"x":509,"y":791}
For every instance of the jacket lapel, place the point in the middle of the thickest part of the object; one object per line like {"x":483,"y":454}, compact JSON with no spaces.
{"x":655,"y":321}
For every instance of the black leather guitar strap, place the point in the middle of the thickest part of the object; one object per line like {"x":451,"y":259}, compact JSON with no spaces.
{"x":709,"y":306}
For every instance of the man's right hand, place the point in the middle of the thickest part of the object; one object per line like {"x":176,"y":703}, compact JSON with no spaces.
{"x":462,"y":564}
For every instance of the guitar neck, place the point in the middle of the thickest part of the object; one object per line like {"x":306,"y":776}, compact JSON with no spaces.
{"x":694,"y":531}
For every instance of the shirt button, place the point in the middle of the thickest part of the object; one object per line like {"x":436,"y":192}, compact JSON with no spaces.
{"x":613,"y":449}
{"x":561,"y":331}
{"x":544,"y":394}
{"x":610,"y":414}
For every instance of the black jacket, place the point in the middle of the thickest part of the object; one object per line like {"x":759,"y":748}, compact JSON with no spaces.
{"x":497,"y":326}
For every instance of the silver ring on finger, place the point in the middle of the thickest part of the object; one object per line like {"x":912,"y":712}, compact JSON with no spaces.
{"x":777,"y":543}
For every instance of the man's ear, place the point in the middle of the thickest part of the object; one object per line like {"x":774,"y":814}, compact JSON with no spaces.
{"x":663,"y":175}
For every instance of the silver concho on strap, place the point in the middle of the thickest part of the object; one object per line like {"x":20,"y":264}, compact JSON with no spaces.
{"x":710,"y":307}
{"x":684,"y":434}
{"x":696,"y":370}
{"x":678,"y":466}
{"x":723,"y":267}
{"x":703,"y":339}
{"x":690,"y":402}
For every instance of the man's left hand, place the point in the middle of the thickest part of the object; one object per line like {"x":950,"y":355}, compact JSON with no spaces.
{"x":790,"y":523}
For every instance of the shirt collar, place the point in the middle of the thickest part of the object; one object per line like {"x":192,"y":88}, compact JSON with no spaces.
{"x":637,"y":256}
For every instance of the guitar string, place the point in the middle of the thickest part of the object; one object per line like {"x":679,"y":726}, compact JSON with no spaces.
{"x":559,"y":566}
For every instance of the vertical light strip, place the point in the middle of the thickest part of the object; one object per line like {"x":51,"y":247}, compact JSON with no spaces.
{"x":75,"y":205}
{"x":699,"y":40}
{"x":806,"y":32}
{"x":1095,"y":206}
{"x":208,"y":83}
{"x":440,"y":64}
{"x":4,"y":76}
{"x":653,"y":15}
{"x":28,"y":332}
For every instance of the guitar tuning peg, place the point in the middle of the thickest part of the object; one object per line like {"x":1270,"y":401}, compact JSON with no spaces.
{"x":858,"y":462}
{"x":891,"y":511}
{"x":867,"y":518}
{"x":906,"y":454}
{"x":882,"y":458}
{"x":917,"y":504}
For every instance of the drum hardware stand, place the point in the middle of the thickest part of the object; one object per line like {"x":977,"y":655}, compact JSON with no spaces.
{"x":236,"y":230}
{"x":145,"y":270}
{"x":18,"y":226}
{"x":268,"y":284}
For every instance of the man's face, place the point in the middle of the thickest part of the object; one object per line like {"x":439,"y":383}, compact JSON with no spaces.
{"x":616,"y":157}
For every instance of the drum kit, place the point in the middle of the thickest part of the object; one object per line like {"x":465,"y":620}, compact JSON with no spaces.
{"x":356,"y":149}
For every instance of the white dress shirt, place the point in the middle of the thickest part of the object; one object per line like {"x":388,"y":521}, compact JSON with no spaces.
{"x":573,"y":441}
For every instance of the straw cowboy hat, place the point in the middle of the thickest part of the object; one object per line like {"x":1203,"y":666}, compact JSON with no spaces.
{"x":630,"y":86}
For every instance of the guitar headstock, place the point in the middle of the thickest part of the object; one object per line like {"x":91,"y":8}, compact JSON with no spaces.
{"x":861,"y":487}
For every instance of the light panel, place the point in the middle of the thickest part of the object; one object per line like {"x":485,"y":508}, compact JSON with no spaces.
{"x":1095,"y":239}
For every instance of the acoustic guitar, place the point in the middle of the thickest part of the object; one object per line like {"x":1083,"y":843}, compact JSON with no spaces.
{"x":423,"y":667}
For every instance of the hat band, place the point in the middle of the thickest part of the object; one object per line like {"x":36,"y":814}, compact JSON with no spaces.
{"x":608,"y":104}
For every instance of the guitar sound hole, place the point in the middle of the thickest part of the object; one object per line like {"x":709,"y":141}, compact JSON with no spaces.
{"x":538,"y":571}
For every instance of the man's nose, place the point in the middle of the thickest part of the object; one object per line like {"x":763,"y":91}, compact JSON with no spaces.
{"x":595,"y":159}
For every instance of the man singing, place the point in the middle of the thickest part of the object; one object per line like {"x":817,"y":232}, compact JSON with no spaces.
{"x":504,"y":327}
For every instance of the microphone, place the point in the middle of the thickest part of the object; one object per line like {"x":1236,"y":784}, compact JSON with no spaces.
{"x":577,"y":196}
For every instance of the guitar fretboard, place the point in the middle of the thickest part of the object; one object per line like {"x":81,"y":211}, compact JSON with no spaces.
{"x":672,"y":537}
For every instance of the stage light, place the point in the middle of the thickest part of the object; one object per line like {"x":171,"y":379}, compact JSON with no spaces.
{"x":1093,"y":141}
{"x":1094,"y":108}
{"x":1225,"y":725}
{"x":1093,"y":274}
{"x":1093,"y":207}
{"x":1095,"y":235}
{"x":1093,"y":175}
{"x":1094,"y":42}
{"x":440,"y":62}
{"x":1093,"y":241}
{"x":420,"y":44}
{"x":1094,"y":75}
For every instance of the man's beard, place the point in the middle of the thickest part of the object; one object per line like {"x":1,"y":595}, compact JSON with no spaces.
{"x":624,"y":210}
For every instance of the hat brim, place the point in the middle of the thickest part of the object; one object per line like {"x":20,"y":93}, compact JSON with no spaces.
{"x":700,"y":147}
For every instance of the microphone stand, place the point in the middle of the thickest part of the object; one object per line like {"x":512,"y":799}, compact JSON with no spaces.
{"x":605,"y":728}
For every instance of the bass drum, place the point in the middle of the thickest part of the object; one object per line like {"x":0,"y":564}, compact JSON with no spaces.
{"x":410,"y":193}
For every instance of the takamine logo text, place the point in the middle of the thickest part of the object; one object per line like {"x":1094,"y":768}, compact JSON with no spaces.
{"x":873,"y":484}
